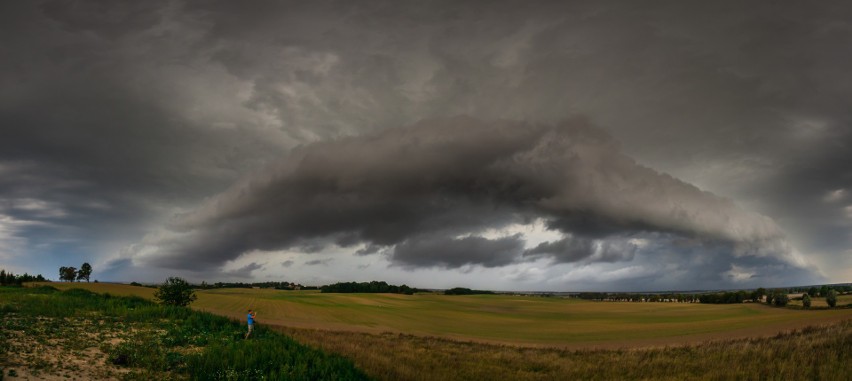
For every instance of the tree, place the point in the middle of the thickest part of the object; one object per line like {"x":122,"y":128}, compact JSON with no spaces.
{"x":68,"y":273}
{"x":806,"y":301}
{"x":85,"y":272}
{"x":175,"y":292}
{"x":831,"y":298}
{"x":813,"y":291}
{"x":758,"y":294}
{"x":779,"y":299}
{"x":823,"y":291}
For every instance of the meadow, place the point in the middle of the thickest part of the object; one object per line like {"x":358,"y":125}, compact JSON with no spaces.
{"x":504,"y":319}
{"x":431,"y":336}
{"x":77,"y":334}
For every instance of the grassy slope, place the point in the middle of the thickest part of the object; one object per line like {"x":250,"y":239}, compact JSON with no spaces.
{"x":500,"y":318}
{"x":48,"y":333}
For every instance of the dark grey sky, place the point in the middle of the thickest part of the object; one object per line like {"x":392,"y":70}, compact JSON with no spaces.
{"x":496,"y":144}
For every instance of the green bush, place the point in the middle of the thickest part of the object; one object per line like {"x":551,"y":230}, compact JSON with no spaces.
{"x":175,"y":292}
{"x":779,"y":299}
{"x":831,"y":298}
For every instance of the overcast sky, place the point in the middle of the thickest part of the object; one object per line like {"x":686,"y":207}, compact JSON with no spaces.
{"x":508,"y":145}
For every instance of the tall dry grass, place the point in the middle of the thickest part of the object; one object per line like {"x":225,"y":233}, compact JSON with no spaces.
{"x":814,"y":353}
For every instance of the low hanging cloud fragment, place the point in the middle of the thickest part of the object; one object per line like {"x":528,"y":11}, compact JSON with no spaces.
{"x":577,"y":249}
{"x":458,"y":252}
{"x":424,"y":194}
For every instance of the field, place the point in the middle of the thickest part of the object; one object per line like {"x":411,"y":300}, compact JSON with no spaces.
{"x":427,"y":336}
{"x":503,"y":319}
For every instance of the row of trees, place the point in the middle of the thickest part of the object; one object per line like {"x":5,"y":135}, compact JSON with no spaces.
{"x":71,"y":274}
{"x":10,"y":279}
{"x":830,"y":299}
{"x":466,"y":291}
{"x":777,"y":297}
{"x":367,"y":287}
{"x":732,"y":297}
{"x":635,"y":297}
{"x":276,"y":285}
{"x":825,"y":290}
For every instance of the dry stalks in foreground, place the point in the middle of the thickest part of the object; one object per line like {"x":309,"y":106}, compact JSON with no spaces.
{"x":813,"y":353}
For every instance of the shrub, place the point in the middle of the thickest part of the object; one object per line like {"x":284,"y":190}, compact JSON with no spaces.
{"x":831,"y":298}
{"x":175,"y":292}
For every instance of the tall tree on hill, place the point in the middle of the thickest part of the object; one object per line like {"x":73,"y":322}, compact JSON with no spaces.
{"x":85,"y":272}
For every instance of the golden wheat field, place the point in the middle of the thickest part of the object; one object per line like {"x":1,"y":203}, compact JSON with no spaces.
{"x":501,"y":319}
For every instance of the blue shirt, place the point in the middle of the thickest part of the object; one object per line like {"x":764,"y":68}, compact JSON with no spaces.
{"x":250,"y":319}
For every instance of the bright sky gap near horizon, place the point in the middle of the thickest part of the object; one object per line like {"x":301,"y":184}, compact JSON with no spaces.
{"x":505,"y":145}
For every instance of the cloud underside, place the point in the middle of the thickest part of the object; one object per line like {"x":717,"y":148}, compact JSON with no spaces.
{"x":433,"y":194}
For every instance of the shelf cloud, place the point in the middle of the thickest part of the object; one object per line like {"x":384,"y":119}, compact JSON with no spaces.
{"x":427,"y":192}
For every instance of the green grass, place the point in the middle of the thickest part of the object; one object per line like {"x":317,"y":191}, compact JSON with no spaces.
{"x":150,"y":341}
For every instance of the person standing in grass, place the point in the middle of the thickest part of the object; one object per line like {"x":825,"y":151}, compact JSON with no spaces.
{"x":250,"y":323}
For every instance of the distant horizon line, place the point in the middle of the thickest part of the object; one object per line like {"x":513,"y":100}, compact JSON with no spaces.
{"x":504,"y":291}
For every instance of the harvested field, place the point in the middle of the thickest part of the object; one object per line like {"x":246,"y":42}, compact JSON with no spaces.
{"x":428,"y":336}
{"x":504,"y":319}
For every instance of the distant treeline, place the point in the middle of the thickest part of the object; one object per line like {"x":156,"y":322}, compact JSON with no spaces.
{"x":10,"y":279}
{"x":207,"y":286}
{"x":466,"y":291}
{"x":728,"y":297}
{"x":275,"y":285}
{"x":732,"y":297}
{"x":367,"y":287}
{"x":632,"y":297}
{"x":713,"y":298}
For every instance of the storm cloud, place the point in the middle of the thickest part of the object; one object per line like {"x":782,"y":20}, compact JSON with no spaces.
{"x":429,"y":191}
{"x":513,"y":145}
